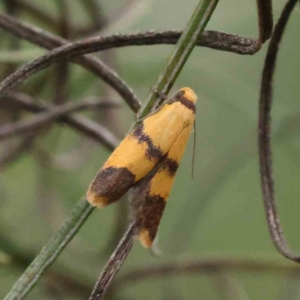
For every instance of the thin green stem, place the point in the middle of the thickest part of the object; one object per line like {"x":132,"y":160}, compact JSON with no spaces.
{"x":51,"y":251}
{"x":181,"y":52}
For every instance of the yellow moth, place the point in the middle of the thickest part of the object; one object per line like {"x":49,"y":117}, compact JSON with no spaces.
{"x":147,"y":160}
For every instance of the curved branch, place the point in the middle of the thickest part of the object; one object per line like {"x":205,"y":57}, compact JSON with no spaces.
{"x":115,"y":262}
{"x":50,"y":114}
{"x":51,"y":41}
{"x":88,"y":127}
{"x":265,"y":151}
{"x":265,"y":19}
{"x":51,"y":251}
{"x":199,"y":266}
{"x":212,"y":39}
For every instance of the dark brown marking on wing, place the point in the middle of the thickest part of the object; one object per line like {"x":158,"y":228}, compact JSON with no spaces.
{"x":152,"y":211}
{"x":112,"y":183}
{"x":187,"y":103}
{"x":153,"y":152}
{"x":170,"y":166}
{"x":179,"y":97}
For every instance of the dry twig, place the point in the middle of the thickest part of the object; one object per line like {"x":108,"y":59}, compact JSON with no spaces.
{"x":264,"y":132}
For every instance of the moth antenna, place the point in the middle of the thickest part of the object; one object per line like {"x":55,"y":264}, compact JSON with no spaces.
{"x":194,"y":150}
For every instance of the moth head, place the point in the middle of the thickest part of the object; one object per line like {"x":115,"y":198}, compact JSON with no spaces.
{"x":189,"y":94}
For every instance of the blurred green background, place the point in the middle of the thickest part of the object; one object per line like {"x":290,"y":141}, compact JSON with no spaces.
{"x":218,"y":214}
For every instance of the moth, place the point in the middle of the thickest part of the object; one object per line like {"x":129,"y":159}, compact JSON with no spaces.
{"x":146,"y":161}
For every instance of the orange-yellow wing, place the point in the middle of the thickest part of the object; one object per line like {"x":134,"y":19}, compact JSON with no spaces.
{"x":153,"y":192}
{"x":142,"y":149}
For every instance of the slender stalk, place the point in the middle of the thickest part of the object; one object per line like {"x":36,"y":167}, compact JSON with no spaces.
{"x":209,"y":38}
{"x":181,"y":52}
{"x":204,"y":266}
{"x":85,"y":126}
{"x":264,"y":136}
{"x":70,"y":51}
{"x":265,"y":19}
{"x":51,"y":251}
{"x":115,"y":262}
{"x":50,"y":41}
{"x":45,"y":117}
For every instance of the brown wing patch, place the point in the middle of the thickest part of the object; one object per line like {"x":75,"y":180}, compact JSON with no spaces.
{"x":188,"y":104}
{"x":152,"y":192}
{"x":170,"y":166}
{"x":109,"y":185}
{"x":149,"y":214}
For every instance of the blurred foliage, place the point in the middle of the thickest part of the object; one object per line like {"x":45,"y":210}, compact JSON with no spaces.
{"x":219,"y":213}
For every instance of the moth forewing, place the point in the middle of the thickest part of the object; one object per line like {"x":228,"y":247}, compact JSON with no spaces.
{"x":152,"y":192}
{"x":152,"y":151}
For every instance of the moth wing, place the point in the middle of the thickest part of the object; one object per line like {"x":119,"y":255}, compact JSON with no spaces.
{"x":136,"y":155}
{"x":153,"y":191}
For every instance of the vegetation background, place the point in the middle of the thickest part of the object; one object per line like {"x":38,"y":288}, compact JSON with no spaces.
{"x":218,"y":214}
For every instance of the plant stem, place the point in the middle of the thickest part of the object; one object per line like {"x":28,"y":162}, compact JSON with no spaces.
{"x":181,"y":52}
{"x":51,"y":251}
